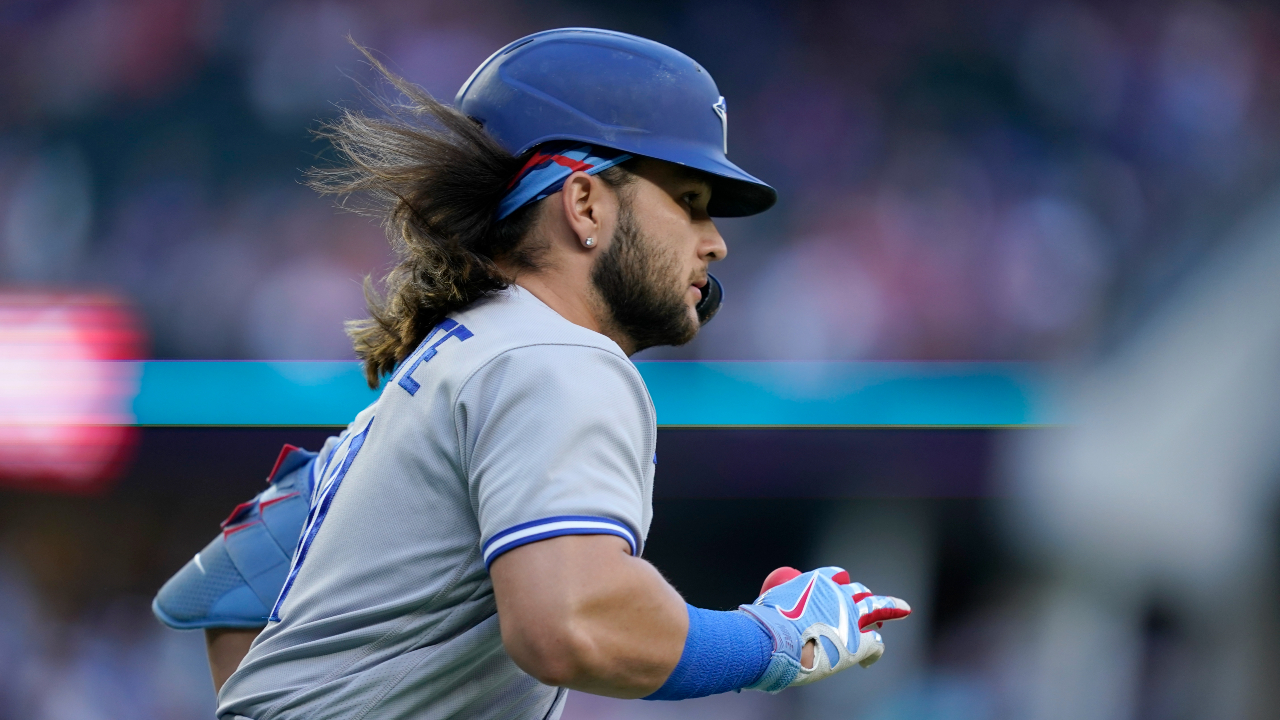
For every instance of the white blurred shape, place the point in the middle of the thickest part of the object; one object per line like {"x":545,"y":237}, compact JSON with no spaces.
{"x":48,"y":218}
{"x":1169,"y":468}
{"x":298,"y":310}
{"x":1164,"y":486}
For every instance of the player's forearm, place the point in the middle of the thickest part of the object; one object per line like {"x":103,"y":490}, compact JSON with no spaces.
{"x":587,"y":616}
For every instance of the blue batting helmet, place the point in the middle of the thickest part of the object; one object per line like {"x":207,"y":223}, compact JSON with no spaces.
{"x":616,"y":90}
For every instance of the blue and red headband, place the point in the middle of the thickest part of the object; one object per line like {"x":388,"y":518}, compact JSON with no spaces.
{"x":545,"y":172}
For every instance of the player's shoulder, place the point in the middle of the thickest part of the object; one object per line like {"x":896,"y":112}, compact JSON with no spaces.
{"x":530,"y":353}
{"x":512,"y":333}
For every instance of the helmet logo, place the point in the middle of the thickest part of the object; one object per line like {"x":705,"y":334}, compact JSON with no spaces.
{"x":722,"y":110}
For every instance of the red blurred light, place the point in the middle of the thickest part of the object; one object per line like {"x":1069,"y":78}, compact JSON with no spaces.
{"x":66,"y":390}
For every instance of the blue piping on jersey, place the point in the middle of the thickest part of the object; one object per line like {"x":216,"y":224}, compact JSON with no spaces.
{"x":319,"y":510}
{"x":565,"y":525}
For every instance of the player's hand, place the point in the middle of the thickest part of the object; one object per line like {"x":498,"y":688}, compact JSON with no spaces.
{"x":824,"y":606}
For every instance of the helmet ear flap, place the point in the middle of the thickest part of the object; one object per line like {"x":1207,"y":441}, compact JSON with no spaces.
{"x":712,"y":296}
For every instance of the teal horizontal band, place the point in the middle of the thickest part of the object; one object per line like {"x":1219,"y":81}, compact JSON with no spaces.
{"x":686,"y":394}
{"x":845,"y":394}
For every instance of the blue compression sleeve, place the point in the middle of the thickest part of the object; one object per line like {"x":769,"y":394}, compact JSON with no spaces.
{"x":723,"y":651}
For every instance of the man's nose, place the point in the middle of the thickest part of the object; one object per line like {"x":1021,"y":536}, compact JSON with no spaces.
{"x":713,"y":246}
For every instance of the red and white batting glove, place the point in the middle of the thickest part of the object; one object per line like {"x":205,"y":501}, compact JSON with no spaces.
{"x":825,"y":606}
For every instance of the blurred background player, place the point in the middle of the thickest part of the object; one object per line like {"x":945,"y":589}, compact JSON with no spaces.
{"x":555,"y":223}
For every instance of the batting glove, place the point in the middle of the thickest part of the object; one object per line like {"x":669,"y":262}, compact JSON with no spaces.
{"x":825,"y":606}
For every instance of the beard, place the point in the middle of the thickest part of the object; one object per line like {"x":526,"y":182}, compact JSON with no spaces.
{"x":636,"y":283}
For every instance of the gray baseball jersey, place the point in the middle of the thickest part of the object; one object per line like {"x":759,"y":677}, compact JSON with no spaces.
{"x":507,"y":425}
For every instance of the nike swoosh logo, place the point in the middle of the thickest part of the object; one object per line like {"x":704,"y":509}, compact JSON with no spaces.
{"x":798,"y":609}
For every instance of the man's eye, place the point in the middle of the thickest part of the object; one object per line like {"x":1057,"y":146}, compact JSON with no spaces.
{"x":690,"y":198}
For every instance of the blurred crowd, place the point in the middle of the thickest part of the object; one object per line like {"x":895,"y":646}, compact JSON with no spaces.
{"x":986,"y":180}
{"x":981,"y":180}
{"x":77,"y":640}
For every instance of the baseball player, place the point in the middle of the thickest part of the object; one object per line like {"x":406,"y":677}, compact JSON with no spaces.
{"x":470,"y":546}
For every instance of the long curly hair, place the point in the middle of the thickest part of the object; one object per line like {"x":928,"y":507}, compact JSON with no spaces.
{"x":434,"y":178}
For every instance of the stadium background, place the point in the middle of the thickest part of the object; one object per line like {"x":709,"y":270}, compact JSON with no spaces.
{"x":962,"y":182}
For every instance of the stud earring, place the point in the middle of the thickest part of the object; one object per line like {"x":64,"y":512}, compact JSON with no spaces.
{"x":589,"y":242}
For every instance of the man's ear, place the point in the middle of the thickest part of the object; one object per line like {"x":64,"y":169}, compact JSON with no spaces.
{"x":587,"y":203}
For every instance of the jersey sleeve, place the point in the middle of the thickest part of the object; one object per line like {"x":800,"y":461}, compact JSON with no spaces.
{"x":557,"y":440}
